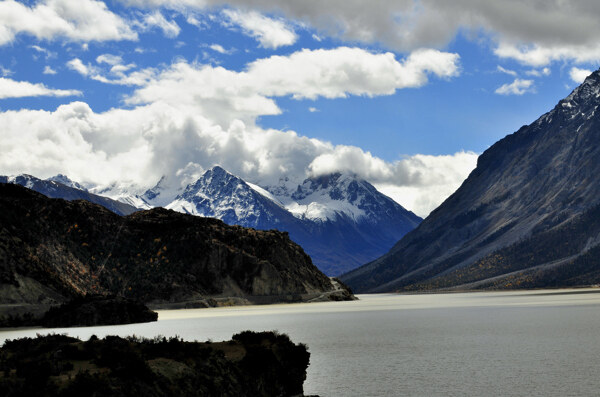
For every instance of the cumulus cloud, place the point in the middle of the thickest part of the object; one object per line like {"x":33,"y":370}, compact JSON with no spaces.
{"x":18,"y":89}
{"x":48,"y":70}
{"x":157,"y":19}
{"x":189,"y":117}
{"x":507,"y":71}
{"x":517,"y":87}
{"x":306,"y":74}
{"x":118,"y":73}
{"x":75,"y":20}
{"x":538,"y":72}
{"x":270,"y":33}
{"x":219,"y":48}
{"x":109,"y":59}
{"x":78,"y":66}
{"x":135,"y":147}
{"x":578,"y":75}
{"x":422,"y":182}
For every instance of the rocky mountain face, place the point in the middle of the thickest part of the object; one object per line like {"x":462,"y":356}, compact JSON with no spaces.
{"x":527,"y":216}
{"x":340,"y":220}
{"x":60,"y":186}
{"x":51,"y":250}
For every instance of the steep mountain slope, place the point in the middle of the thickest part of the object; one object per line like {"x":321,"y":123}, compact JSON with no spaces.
{"x":53,"y":249}
{"x":350,"y":222}
{"x":538,"y":185}
{"x":219,"y":194}
{"x":62,"y":187}
{"x":339,"y":220}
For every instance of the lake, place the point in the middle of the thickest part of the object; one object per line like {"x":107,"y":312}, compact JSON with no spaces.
{"x":526,"y":343}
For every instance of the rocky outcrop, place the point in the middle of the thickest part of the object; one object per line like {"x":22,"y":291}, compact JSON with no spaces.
{"x":251,"y":364}
{"x":52,"y":250}
{"x":525,"y":217}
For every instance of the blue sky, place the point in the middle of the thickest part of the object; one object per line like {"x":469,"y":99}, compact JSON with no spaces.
{"x":405,"y":94}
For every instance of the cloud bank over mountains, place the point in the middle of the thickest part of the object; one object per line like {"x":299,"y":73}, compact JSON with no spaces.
{"x":182,"y":116}
{"x":189,"y":117}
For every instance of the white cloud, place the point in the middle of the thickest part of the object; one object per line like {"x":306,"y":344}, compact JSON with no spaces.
{"x":537,"y":55}
{"x":117,"y":74}
{"x":18,"y":89}
{"x":334,"y":73}
{"x":517,"y":87}
{"x":539,"y":72}
{"x":78,"y":66}
{"x":313,"y":109}
{"x":75,"y":20}
{"x":48,"y":54}
{"x":423,"y":182}
{"x":137,"y":146}
{"x":4,"y":72}
{"x":49,"y":70}
{"x":270,"y":33}
{"x":189,"y":117}
{"x":579,"y":75}
{"x":109,"y":59}
{"x":157,"y":19}
{"x":219,"y":48}
{"x":507,"y":71}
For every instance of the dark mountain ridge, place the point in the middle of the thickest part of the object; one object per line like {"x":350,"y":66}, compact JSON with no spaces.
{"x":52,"y":249}
{"x":544,"y":178}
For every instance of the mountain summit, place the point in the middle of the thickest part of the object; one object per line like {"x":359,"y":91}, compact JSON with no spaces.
{"x":340,"y":220}
{"x":527,"y":216}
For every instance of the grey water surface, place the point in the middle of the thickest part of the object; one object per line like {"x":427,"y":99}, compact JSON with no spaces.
{"x":535,"y":343}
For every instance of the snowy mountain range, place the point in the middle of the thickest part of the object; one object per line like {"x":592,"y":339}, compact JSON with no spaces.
{"x":340,"y":220}
{"x":60,"y":186}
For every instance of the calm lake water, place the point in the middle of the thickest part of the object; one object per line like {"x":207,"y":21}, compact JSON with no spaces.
{"x":536,"y":343}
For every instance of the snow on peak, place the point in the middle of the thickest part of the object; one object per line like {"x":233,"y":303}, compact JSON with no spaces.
{"x":23,"y":179}
{"x":65,"y":180}
{"x":583,"y":95}
{"x":164,"y":192}
{"x":218,"y":193}
{"x":327,"y":197}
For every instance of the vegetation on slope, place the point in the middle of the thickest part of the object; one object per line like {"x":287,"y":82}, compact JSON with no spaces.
{"x":251,"y":364}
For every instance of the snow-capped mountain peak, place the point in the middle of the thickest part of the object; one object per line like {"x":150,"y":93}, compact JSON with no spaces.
{"x":329,"y":197}
{"x":220,"y":194}
{"x":65,"y":180}
{"x":164,"y":192}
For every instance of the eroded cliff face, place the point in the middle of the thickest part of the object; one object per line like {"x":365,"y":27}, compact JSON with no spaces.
{"x":51,"y":249}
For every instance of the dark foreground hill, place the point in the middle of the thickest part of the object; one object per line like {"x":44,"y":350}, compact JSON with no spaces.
{"x":528,"y":216}
{"x":251,"y":364}
{"x":52,"y":250}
